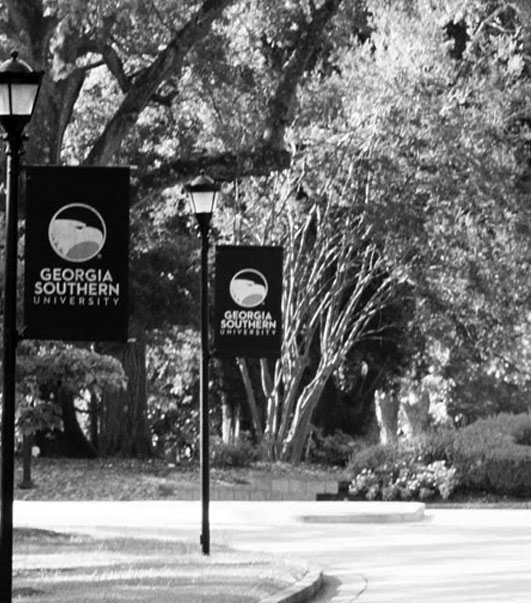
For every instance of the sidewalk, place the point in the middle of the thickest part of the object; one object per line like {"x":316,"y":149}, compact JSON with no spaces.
{"x":72,"y":515}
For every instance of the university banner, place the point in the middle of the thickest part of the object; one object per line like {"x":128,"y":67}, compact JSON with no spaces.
{"x":76,"y":253}
{"x":248,"y":300}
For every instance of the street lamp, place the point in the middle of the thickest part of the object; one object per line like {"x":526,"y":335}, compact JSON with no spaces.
{"x":19,"y":87}
{"x":202,"y":192}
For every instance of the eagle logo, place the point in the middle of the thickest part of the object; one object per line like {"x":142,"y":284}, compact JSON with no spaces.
{"x":77,"y":232}
{"x":248,"y":288}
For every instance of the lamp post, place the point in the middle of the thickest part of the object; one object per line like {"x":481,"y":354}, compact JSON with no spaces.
{"x":202,"y":192}
{"x":19,"y":87}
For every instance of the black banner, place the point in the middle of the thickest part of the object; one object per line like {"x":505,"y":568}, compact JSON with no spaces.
{"x":76,"y":253}
{"x":248,"y":298}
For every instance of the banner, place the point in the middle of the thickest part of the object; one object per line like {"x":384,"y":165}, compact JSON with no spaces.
{"x":248,"y":299}
{"x":76,"y":253}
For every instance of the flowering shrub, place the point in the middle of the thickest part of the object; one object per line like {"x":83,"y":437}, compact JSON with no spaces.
{"x":405,"y":481}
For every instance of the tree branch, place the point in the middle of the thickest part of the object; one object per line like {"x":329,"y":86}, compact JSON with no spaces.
{"x":282,"y":102}
{"x":168,"y":63}
{"x":224,"y":167}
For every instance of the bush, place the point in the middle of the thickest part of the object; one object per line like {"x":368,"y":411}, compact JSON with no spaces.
{"x":435,"y":445}
{"x":376,"y":456}
{"x":239,"y":454}
{"x":333,"y":450}
{"x":493,"y":455}
{"x":418,"y":470}
{"x":490,"y":456}
{"x":405,"y":481}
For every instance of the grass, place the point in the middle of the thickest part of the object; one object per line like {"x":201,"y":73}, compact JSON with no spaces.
{"x":51,"y":567}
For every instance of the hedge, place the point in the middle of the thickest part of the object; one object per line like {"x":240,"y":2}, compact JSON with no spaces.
{"x":494,"y":455}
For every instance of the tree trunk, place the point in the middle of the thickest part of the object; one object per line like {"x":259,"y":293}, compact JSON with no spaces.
{"x":72,"y":440}
{"x":230,"y":422}
{"x":251,"y":398}
{"x":386,"y":406}
{"x":293,"y":446}
{"x":415,"y":406}
{"x":27,"y":444}
{"x":301,"y":424}
{"x":124,"y":428}
{"x":94,"y":418}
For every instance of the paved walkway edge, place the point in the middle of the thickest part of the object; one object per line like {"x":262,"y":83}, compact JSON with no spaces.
{"x":374,"y":512}
{"x":303,"y":590}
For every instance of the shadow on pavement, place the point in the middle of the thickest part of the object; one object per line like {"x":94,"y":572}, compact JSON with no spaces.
{"x":329,"y":589}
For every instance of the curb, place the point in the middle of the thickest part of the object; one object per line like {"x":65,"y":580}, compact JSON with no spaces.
{"x":377,"y":513}
{"x":303,"y":590}
{"x":501,"y":506}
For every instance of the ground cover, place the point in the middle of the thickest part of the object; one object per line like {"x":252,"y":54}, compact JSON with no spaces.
{"x":66,"y":568}
{"x":133,"y":479}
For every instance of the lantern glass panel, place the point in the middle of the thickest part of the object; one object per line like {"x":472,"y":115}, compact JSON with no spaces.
{"x":5,"y":104}
{"x":23,"y":98}
{"x":203,"y":202}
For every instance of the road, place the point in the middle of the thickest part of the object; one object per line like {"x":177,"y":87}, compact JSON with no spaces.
{"x":452,"y":556}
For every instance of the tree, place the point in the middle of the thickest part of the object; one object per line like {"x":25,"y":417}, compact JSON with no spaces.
{"x":53,"y":382}
{"x":114,"y":69}
{"x":433,"y":145}
{"x":335,"y":283}
{"x":446,"y":161}
{"x":428,"y":138}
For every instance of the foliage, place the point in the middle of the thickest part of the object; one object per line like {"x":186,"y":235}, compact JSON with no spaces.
{"x":173,"y":377}
{"x":403,"y":142}
{"x":437,"y":144}
{"x":336,"y":282}
{"x":44,"y":368}
{"x":241,"y":453}
{"x":495,"y":393}
{"x":420,"y":469}
{"x":173,"y":393}
{"x":334,"y":449}
{"x":377,"y":455}
{"x":435,"y":445}
{"x":493,"y":455}
{"x":409,"y":166}
{"x":36,"y":415}
{"x":405,"y":481}
{"x":164,"y":262}
{"x":70,"y":367}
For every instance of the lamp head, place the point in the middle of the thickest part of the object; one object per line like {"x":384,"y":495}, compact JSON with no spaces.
{"x":202,"y":192}
{"x":19,"y":88}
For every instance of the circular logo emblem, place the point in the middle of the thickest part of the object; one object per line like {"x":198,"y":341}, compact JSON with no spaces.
{"x":248,"y":288}
{"x":77,"y":232}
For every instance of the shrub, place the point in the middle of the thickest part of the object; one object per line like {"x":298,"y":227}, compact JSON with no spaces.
{"x":239,"y":454}
{"x":435,"y":445}
{"x":492,"y":455}
{"x":404,"y":472}
{"x":404,"y":481}
{"x":375,"y":457}
{"x":334,"y":450}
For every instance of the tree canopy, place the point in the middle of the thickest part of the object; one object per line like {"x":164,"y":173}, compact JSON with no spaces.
{"x":394,"y":133}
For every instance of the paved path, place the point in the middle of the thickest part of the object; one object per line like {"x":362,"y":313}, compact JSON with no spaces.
{"x":453,"y":556}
